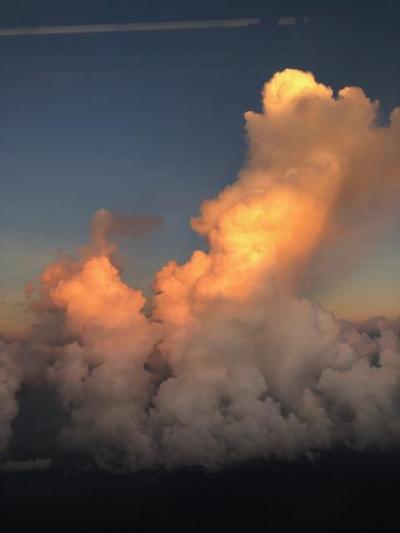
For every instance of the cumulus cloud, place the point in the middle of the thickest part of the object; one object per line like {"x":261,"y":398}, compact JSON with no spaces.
{"x":10,"y":380}
{"x":234,"y":361}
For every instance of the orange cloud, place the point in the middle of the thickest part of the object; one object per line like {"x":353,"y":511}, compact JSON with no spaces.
{"x":230,"y":360}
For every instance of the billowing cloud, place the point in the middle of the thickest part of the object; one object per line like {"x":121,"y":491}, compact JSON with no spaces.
{"x":10,"y":380}
{"x":233,"y":361}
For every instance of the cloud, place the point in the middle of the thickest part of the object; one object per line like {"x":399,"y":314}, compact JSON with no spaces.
{"x":233,"y":361}
{"x":105,"y":224}
{"x":10,"y":379}
{"x":26,"y":466}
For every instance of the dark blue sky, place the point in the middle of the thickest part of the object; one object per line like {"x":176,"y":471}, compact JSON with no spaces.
{"x":153,"y":122}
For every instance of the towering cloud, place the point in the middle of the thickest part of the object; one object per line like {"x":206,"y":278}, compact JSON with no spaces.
{"x":234,"y":361}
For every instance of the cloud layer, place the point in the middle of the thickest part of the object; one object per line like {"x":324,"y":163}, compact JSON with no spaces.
{"x":233,"y":361}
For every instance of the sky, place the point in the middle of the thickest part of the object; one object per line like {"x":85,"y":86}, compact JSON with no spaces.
{"x":223,"y":387}
{"x":152,"y":124}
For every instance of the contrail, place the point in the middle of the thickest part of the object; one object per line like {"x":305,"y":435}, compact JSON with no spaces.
{"x":135,"y":26}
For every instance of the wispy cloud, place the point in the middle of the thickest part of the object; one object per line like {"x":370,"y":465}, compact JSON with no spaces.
{"x":26,"y":466}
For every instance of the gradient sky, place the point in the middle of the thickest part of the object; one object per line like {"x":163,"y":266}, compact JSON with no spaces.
{"x":152,"y":123}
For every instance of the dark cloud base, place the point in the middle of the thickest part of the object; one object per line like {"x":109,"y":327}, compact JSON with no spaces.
{"x":341,"y":491}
